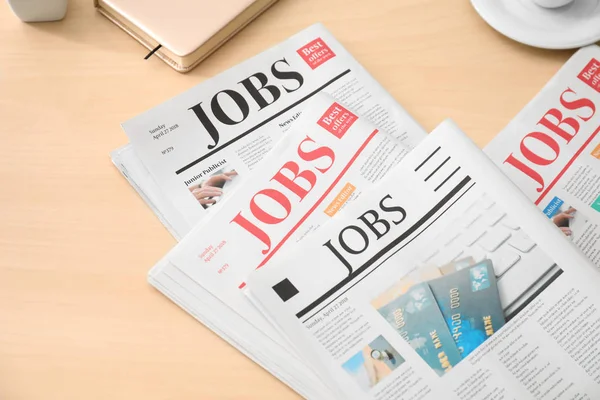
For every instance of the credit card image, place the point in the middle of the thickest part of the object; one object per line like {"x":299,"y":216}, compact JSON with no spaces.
{"x":469,"y":301}
{"x":418,"y":320}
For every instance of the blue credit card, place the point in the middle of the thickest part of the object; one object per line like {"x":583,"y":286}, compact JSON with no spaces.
{"x":470,"y":304}
{"x":417,"y":318}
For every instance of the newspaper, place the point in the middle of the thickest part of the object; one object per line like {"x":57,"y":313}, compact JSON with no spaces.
{"x":392,"y":299}
{"x":193,"y":151}
{"x":551,"y":150}
{"x":327,"y":160}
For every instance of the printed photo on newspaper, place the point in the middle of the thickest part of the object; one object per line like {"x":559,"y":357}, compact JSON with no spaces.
{"x":443,"y":281}
{"x":193,"y":151}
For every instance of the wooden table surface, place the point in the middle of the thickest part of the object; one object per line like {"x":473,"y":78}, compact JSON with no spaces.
{"x":77,"y":318}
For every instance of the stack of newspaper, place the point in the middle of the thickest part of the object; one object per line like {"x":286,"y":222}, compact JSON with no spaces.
{"x":332,"y":241}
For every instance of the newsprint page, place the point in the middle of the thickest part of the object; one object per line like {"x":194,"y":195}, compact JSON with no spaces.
{"x":191,"y":152}
{"x":551,"y":150}
{"x":401,"y":296}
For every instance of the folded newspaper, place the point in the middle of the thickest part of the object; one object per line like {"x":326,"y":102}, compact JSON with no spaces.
{"x":551,"y":150}
{"x":189,"y":153}
{"x":368,"y":305}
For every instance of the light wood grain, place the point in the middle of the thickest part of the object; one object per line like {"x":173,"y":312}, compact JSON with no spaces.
{"x":77,"y":318}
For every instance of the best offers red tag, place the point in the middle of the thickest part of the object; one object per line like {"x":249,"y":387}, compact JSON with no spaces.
{"x":591,"y":74}
{"x":315,"y":53}
{"x":337,"y":120}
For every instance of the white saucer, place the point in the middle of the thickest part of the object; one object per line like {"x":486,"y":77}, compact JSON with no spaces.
{"x":574,"y":25}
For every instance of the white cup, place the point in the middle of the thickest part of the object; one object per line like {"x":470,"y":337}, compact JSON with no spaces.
{"x":552,"y":3}
{"x":39,"y":10}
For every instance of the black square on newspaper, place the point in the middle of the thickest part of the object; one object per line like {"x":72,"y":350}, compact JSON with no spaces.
{"x":285,"y":290}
